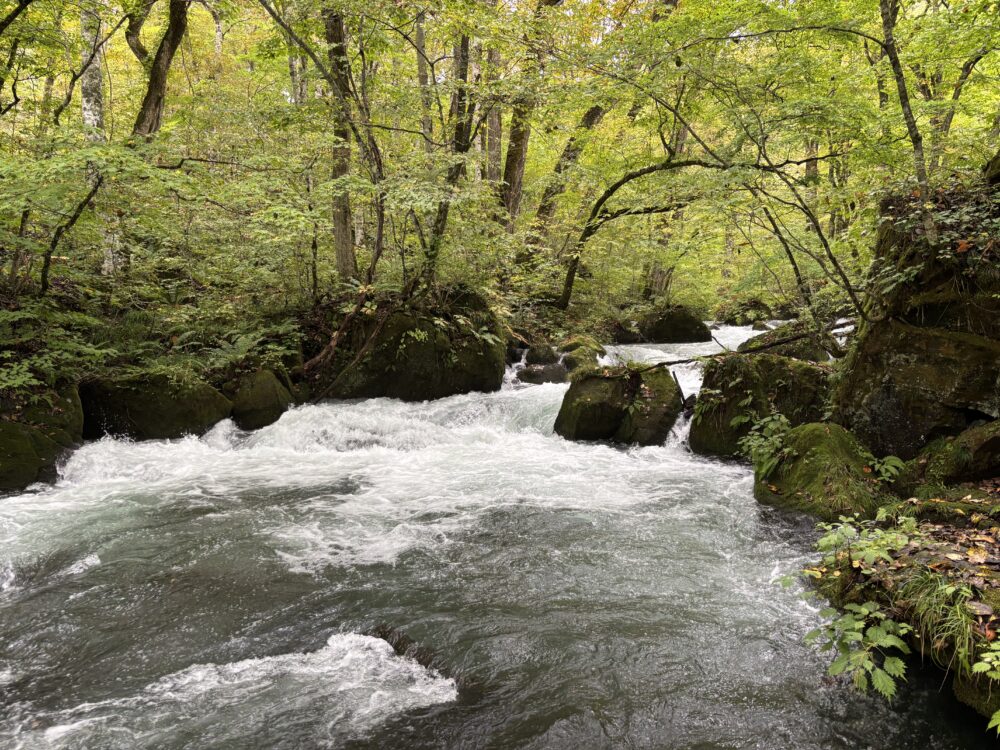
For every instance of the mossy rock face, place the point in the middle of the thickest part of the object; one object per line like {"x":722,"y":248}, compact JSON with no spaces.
{"x":27,"y":455}
{"x":420,"y":354}
{"x":927,"y":364}
{"x":825,"y":472}
{"x":576,"y":343}
{"x":674,"y":325}
{"x":743,"y":312}
{"x":150,"y":408}
{"x":581,"y":352}
{"x":740,"y":388}
{"x":904,"y":386}
{"x":541,"y":354}
{"x":623,"y":406}
{"x":807,"y":348}
{"x":260,"y":400}
{"x":973,"y":455}
{"x":57,"y":413}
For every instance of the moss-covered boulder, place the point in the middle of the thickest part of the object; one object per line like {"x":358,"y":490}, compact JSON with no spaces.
{"x":418,"y":351}
{"x":34,"y":432}
{"x":541,"y":354}
{"x":821,"y":469}
{"x":972,"y":455}
{"x":27,"y":455}
{"x":906,"y":385}
{"x":738,"y":389}
{"x":579,"y":352}
{"x":673,"y":325}
{"x":150,"y":407}
{"x":806,"y":346}
{"x":742,"y":312}
{"x":260,"y":399}
{"x":623,"y":405}
{"x":926,"y":363}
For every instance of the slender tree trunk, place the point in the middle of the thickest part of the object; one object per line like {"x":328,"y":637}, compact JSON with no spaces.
{"x":462,"y":109}
{"x":343,"y":239}
{"x":92,"y":80}
{"x":147,"y":122}
{"x":423,"y":81}
{"x":889,"y":10}
{"x":520,"y":135}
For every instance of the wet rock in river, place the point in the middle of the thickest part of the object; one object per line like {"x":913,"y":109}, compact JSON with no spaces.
{"x":622,"y":405}
{"x":740,"y":388}
{"x":260,"y":400}
{"x":150,"y":407}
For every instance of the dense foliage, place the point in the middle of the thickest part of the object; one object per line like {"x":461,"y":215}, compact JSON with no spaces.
{"x":179,"y":176}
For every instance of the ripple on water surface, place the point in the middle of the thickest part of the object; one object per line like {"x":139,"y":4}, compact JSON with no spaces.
{"x":213,"y":592}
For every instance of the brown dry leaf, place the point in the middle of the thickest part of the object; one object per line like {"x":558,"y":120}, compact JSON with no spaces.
{"x":978,"y":555}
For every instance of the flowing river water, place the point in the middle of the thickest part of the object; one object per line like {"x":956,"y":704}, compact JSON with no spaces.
{"x":221,"y":592}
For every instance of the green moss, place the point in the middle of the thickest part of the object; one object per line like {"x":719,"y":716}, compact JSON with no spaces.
{"x":420,"y":354}
{"x":620,"y":405}
{"x":27,"y":455}
{"x":974,"y":454}
{"x":581,"y":352}
{"x":260,"y":400}
{"x":149,"y":408}
{"x":825,"y":471}
{"x":740,"y":388}
{"x":804,"y":348}
{"x":674,"y":325}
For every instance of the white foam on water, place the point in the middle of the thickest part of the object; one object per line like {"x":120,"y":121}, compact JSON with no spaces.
{"x":352,"y":684}
{"x":378,"y":478}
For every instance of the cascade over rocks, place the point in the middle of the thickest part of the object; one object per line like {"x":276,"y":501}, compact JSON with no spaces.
{"x":927,"y":365}
{"x":741,"y":388}
{"x":673,"y":325}
{"x":150,"y":407}
{"x":31,"y":445}
{"x":621,"y":405}
{"x":823,"y":470}
{"x":420,"y":351}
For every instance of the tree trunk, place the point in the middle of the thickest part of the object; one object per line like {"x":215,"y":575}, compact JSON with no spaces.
{"x":567,"y":159}
{"x":343,"y":239}
{"x":889,"y":10}
{"x":520,"y":134}
{"x":494,"y":123}
{"x":92,"y":80}
{"x":423,"y":81}
{"x":148,"y":121}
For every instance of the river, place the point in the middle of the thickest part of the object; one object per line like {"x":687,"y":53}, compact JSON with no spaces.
{"x":221,"y":592}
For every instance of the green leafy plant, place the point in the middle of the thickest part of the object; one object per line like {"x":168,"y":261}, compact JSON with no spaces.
{"x":765,"y":444}
{"x":868,"y":643}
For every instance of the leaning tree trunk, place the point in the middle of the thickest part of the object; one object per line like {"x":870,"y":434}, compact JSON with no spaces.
{"x":147,"y":122}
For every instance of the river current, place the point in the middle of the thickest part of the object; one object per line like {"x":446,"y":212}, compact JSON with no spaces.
{"x":223,"y":592}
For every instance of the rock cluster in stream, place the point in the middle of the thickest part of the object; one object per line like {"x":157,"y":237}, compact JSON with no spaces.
{"x":413,"y":352}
